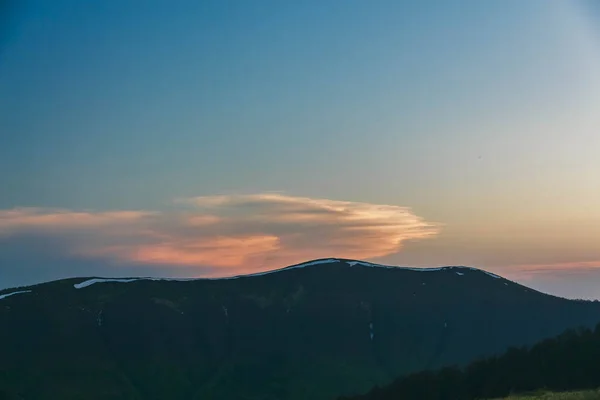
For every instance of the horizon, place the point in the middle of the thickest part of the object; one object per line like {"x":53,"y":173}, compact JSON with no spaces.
{"x":209,"y":139}
{"x":304,"y":264}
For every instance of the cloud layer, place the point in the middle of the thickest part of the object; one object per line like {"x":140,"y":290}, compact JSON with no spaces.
{"x":233,"y":234}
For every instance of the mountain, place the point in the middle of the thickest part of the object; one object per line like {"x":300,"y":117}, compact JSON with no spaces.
{"x":316,"y":330}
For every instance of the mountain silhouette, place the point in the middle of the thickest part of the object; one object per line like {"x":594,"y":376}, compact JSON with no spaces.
{"x":316,"y":330}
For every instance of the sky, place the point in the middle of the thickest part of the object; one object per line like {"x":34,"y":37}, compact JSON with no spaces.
{"x":214,"y":138}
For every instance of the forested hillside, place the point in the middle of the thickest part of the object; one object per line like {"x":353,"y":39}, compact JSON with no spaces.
{"x":570,"y":361}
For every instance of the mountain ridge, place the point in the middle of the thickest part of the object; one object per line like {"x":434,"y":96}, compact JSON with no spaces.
{"x":338,"y":327}
{"x":309,"y":263}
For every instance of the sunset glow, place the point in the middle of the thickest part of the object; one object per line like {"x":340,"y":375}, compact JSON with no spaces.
{"x":238,"y":233}
{"x":218,"y":138}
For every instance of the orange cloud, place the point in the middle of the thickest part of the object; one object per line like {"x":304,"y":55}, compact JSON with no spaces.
{"x":242,"y":233}
{"x":218,"y":251}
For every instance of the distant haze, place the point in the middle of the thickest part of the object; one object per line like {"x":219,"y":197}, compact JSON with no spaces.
{"x":217,"y":138}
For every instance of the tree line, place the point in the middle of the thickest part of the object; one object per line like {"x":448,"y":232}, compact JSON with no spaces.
{"x":570,"y":361}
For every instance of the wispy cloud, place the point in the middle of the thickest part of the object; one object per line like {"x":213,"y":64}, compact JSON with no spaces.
{"x":235,"y":233}
{"x":557,"y":271}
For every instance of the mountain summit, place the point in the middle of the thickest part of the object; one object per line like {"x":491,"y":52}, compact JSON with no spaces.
{"x":315,"y":330}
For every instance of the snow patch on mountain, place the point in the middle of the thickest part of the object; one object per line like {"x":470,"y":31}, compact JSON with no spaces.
{"x":368,"y":264}
{"x":430,"y":269}
{"x":306,"y":264}
{"x":3,"y":296}
{"x":490,"y":274}
{"x":90,"y":282}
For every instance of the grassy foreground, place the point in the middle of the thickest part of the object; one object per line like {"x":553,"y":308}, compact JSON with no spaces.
{"x":587,"y":395}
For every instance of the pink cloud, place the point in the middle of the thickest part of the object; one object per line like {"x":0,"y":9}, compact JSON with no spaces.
{"x":240,"y":233}
{"x":217,"y":251}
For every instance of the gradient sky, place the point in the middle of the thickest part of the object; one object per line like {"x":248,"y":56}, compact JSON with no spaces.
{"x":197,"y":138}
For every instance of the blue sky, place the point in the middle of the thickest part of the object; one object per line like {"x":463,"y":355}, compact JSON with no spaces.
{"x":480,"y":117}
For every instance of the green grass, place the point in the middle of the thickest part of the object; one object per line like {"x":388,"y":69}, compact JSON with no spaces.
{"x":587,"y":395}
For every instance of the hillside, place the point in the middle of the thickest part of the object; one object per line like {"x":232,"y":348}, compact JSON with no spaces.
{"x":585,"y":395}
{"x":316,"y":330}
{"x":547,"y":370}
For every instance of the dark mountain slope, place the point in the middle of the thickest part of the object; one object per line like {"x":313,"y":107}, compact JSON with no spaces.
{"x":329,"y":328}
{"x":564,"y":363}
